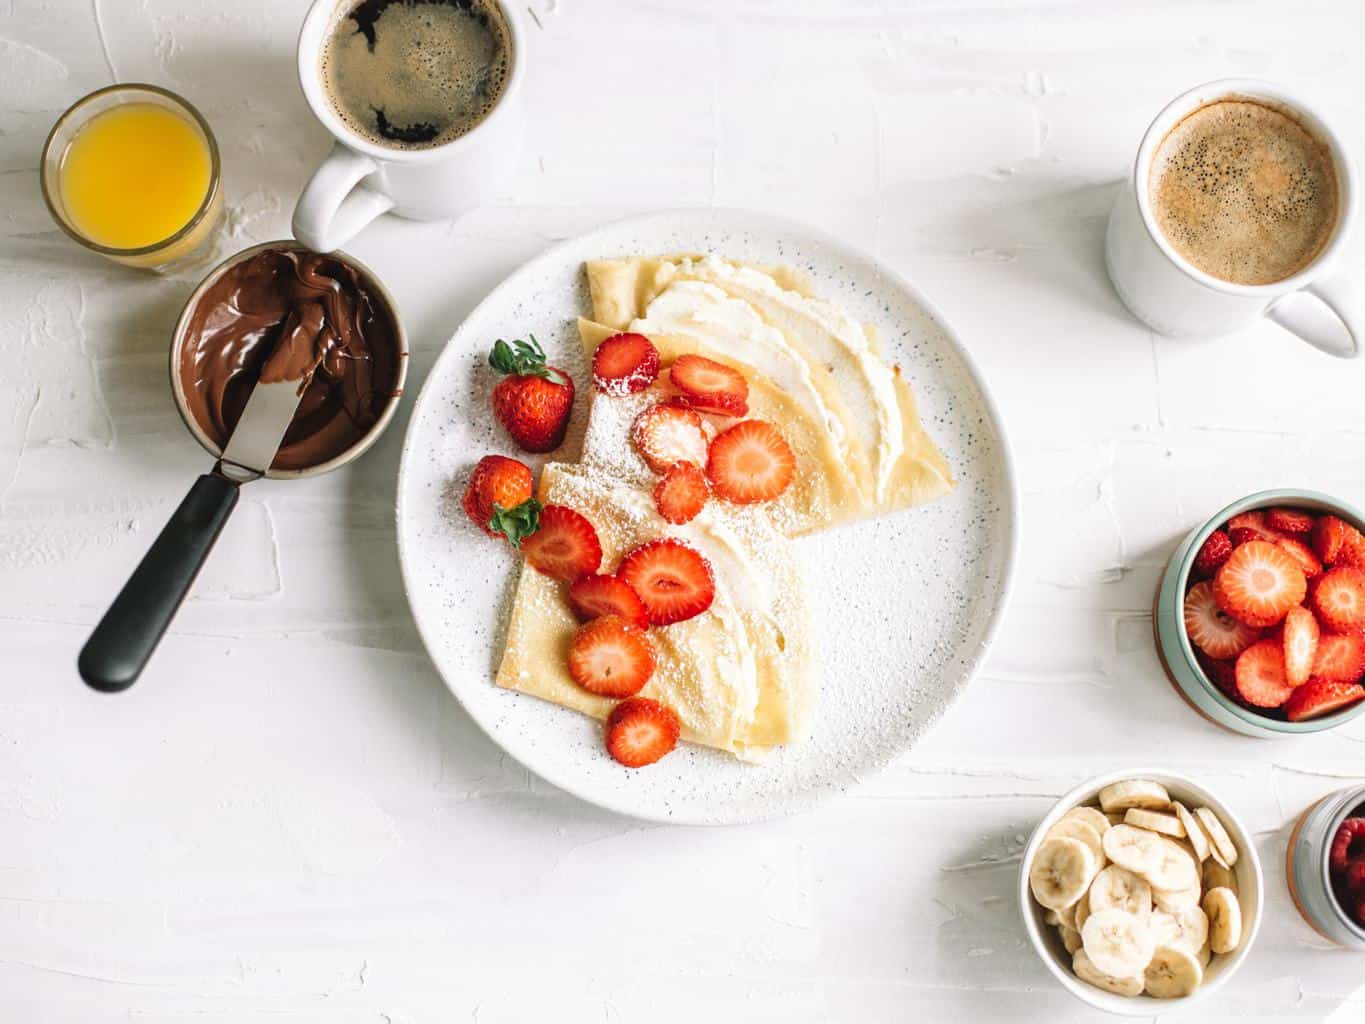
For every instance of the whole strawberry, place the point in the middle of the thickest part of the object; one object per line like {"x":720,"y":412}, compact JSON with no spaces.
{"x":499,"y":498}
{"x":534,"y":400}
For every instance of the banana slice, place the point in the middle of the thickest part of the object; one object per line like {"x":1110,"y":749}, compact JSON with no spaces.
{"x":1225,"y":920}
{"x":1086,"y":970}
{"x":1116,"y":887}
{"x":1173,"y":973}
{"x":1142,"y":793}
{"x":1076,"y":828}
{"x":1117,"y":942}
{"x":1061,"y":872}
{"x":1133,"y":848}
{"x":1154,"y":821}
{"x":1071,"y":939}
{"x":1218,"y":876}
{"x":1194,"y":832}
{"x":1189,"y":928}
{"x":1219,"y":840}
{"x":1161,"y":861}
{"x":1179,"y":900}
{"x":1081,"y":911}
{"x":1092,"y":816}
{"x":1164,"y":927}
{"x":1205,"y":954}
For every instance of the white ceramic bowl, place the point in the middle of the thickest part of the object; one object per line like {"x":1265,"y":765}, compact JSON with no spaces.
{"x":1250,"y":890}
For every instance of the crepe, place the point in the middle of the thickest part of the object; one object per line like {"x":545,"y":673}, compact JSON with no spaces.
{"x":739,"y":676}
{"x":872,"y":456}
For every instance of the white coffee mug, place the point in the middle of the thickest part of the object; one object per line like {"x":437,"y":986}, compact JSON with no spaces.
{"x":360,"y":180}
{"x":1171,"y":296}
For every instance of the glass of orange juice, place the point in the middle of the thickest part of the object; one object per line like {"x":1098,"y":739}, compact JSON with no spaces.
{"x":132,"y":172}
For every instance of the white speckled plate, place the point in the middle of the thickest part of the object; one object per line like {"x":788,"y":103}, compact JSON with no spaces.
{"x":904,"y":606}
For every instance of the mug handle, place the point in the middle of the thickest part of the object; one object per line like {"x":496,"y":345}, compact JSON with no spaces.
{"x":1306,"y":319}
{"x":336,"y":203}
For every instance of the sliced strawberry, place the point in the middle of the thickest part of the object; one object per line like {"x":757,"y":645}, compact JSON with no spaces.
{"x":1290,"y":520}
{"x":1340,"y":657}
{"x":1320,"y":697}
{"x":672,"y":579}
{"x":1339,"y":599}
{"x":1254,"y":520}
{"x":1352,"y":548}
{"x":1240,"y":535}
{"x":566,"y":545}
{"x":1260,"y":675}
{"x":681,"y":493}
{"x":1303,"y":554}
{"x":668,"y":433}
{"x":594,"y":596}
{"x":1259,"y":583}
{"x":624,"y":364}
{"x":1212,"y":554}
{"x":640,"y":731}
{"x":709,"y":386}
{"x":500,"y":487}
{"x":1213,"y":630}
{"x":750,"y":462}
{"x":611,"y":657}
{"x":1300,"y":644}
{"x":1348,"y":844}
{"x":1329,"y":534}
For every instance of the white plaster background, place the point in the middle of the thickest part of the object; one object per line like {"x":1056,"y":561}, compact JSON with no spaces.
{"x":289,"y":819}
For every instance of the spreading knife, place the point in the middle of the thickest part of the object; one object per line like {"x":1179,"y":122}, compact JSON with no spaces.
{"x":123,"y":641}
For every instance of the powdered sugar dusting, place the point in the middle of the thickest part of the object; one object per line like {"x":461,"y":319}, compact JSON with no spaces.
{"x":903,"y":606}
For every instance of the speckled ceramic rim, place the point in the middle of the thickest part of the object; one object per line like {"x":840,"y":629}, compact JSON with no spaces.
{"x":132,"y":89}
{"x":320,"y":18}
{"x":1309,"y":873}
{"x":1268,"y":94}
{"x":1174,"y":645}
{"x":1250,"y":882}
{"x":400,"y":338}
{"x":1009,"y":499}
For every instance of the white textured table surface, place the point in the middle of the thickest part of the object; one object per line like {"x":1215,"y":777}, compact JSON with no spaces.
{"x":290,"y":819}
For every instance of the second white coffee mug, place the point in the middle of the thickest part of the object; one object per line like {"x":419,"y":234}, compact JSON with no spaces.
{"x":360,"y":180}
{"x":1173,"y":297}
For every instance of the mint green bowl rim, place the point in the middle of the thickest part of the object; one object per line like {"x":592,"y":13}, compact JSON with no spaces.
{"x":1261,"y":499}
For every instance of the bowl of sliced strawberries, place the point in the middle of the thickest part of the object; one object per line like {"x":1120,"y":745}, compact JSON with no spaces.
{"x":1325,"y":866}
{"x":1260,"y":618}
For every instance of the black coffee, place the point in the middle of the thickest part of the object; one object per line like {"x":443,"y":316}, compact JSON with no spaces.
{"x":1244,"y":192}
{"x":413,"y":74}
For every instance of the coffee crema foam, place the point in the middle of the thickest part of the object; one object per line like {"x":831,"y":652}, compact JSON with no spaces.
{"x":416,"y":74}
{"x":1243,"y":192}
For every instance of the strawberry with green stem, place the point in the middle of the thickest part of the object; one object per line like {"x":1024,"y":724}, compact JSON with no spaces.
{"x":534,"y":399}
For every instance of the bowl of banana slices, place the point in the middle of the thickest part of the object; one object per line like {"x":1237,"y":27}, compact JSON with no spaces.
{"x":1141,"y":891}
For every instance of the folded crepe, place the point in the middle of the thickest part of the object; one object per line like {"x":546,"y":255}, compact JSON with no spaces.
{"x":739,"y":675}
{"x":868,"y":452}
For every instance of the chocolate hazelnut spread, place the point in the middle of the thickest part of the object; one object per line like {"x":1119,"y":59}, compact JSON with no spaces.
{"x":289,"y":314}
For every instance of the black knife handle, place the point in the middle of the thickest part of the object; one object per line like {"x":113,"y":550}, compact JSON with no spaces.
{"x":125,"y":638}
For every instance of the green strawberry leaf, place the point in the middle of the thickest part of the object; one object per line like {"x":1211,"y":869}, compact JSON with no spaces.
{"x":523,"y":359}
{"x":516,"y":523}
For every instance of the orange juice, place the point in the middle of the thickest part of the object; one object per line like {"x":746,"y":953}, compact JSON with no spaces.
{"x":134,"y":175}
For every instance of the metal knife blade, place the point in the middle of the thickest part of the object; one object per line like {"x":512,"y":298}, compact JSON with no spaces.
{"x":256,"y":438}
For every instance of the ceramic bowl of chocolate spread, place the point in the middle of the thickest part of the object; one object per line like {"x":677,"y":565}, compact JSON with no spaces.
{"x":256,"y":305}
